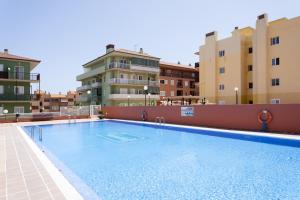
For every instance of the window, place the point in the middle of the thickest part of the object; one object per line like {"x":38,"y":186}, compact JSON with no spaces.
{"x":221,"y":102}
{"x":1,"y":68}
{"x":222,"y":70}
{"x":222,"y":53}
{"x":250,"y":68}
{"x":162,"y":93}
{"x":1,"y":89}
{"x":19,"y":90}
{"x":221,"y":87}
{"x":186,"y":83}
{"x":274,"y":40}
{"x":140,"y":77}
{"x":132,"y":91}
{"x":172,"y":82}
{"x":275,"y":101}
{"x":172,"y":93}
{"x":250,"y":50}
{"x":19,"y":72}
{"x":162,"y":81}
{"x":250,"y":85}
{"x":275,"y":61}
{"x":275,"y":82}
{"x":123,"y":90}
{"x":18,"y":109}
{"x":55,"y":108}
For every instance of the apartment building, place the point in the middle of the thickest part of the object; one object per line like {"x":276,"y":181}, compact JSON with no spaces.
{"x":177,"y":80}
{"x":49,"y":102}
{"x":15,"y":82}
{"x":120,"y":77}
{"x":254,"y":65}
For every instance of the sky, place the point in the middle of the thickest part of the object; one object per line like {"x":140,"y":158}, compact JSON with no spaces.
{"x":65,"y":34}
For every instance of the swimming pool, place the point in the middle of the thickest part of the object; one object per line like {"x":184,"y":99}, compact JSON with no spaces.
{"x":123,"y":160}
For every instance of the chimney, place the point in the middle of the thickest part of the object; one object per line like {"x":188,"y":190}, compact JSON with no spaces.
{"x":110,"y":48}
{"x":178,"y":62}
{"x":6,"y":51}
{"x":236,"y":28}
{"x":141,"y":51}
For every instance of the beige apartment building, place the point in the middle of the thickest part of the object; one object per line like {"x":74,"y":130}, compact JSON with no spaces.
{"x":254,"y":65}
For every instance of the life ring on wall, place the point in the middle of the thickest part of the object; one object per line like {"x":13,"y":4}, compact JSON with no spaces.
{"x":264,"y":116}
{"x":144,"y":115}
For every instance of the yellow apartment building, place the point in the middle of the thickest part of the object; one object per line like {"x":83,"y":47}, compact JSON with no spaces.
{"x":258,"y":65}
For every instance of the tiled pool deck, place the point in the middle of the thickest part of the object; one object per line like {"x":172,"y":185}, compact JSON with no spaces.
{"x":26,"y":173}
{"x":22,"y":174}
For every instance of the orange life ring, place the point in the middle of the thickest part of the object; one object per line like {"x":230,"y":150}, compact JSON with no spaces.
{"x":264,"y":116}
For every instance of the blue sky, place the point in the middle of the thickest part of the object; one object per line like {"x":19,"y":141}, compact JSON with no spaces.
{"x":65,"y":34}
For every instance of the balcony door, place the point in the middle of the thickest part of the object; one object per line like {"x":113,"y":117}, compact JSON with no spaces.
{"x":19,"y":72}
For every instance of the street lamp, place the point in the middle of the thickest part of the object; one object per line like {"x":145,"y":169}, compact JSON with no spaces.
{"x":128,"y":97}
{"x":88,"y":92}
{"x":149,"y":99}
{"x":145,"y":92}
{"x":236,"y":89}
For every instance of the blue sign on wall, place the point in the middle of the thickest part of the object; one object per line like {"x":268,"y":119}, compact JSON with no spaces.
{"x":187,"y":111}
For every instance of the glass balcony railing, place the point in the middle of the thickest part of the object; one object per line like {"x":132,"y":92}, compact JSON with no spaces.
{"x":133,"y":82}
{"x":113,"y":65}
{"x":20,"y":76}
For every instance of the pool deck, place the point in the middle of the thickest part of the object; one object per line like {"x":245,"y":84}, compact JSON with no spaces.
{"x":26,"y":173}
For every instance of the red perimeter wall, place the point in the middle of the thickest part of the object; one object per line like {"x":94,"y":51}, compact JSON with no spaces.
{"x":286,"y":117}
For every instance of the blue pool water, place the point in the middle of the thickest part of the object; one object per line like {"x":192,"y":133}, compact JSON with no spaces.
{"x":116,"y":160}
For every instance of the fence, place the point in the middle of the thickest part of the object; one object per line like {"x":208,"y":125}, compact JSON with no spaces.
{"x":286,"y":117}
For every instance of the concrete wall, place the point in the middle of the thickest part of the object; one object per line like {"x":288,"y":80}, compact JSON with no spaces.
{"x":241,"y":117}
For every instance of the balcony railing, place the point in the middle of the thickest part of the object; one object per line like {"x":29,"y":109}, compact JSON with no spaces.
{"x":83,"y":88}
{"x":84,"y":98}
{"x":132,"y":96}
{"x":132,"y":82}
{"x":20,"y":76}
{"x":113,"y":65}
{"x":15,"y":97}
{"x":177,"y":75}
{"x":96,"y":85}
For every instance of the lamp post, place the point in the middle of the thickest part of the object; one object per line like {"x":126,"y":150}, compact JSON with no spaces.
{"x":149,"y":99}
{"x":236,"y":89}
{"x":145,"y":92}
{"x":128,"y":97}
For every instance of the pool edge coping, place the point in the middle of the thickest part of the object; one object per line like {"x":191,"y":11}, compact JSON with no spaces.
{"x":239,"y":132}
{"x":67,"y":189}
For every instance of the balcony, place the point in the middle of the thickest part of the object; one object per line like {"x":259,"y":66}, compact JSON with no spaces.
{"x":83,"y":88}
{"x":132,"y":82}
{"x":19,"y":76}
{"x":14,"y":97}
{"x":177,"y":75}
{"x":132,"y":96}
{"x":84,"y":98}
{"x":118,"y":65}
{"x":96,"y":85}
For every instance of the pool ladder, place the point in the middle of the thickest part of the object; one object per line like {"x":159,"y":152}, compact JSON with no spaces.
{"x":40,"y":132}
{"x":160,"y":120}
{"x":70,"y":119}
